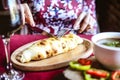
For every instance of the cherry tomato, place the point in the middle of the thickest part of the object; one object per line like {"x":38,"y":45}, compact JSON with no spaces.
{"x":89,"y":77}
{"x":84,"y":61}
{"x":98,"y":73}
{"x":115,"y":75}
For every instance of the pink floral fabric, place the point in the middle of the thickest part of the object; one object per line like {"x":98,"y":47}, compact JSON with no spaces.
{"x":53,"y":15}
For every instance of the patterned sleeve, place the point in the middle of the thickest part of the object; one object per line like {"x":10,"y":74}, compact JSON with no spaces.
{"x":53,"y":15}
{"x":89,"y":6}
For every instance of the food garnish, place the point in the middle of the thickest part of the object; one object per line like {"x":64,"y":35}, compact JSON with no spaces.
{"x":115,"y":75}
{"x":84,"y":61}
{"x":84,"y":65}
{"x":114,"y":43}
{"x":81,"y":64}
{"x":89,"y":72}
{"x":96,"y":74}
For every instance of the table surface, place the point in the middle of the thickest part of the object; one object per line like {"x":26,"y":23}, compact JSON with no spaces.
{"x":17,"y":41}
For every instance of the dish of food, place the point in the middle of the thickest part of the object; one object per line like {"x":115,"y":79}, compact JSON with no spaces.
{"x":49,"y":47}
{"x":82,"y":50}
{"x":107,"y":49}
{"x":111,"y":42}
{"x":95,"y":72}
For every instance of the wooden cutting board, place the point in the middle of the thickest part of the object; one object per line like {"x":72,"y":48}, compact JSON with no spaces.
{"x":82,"y":51}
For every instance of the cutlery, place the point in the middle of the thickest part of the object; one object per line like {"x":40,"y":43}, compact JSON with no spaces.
{"x":60,"y":33}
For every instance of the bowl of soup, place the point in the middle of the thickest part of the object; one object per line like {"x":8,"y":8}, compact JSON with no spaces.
{"x":107,"y":49}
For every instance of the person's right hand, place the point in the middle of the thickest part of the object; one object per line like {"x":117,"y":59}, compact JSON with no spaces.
{"x":84,"y":22}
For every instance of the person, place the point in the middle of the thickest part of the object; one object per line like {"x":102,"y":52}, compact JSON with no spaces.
{"x":54,"y":15}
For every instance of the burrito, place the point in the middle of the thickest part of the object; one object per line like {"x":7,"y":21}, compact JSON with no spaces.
{"x":49,"y":47}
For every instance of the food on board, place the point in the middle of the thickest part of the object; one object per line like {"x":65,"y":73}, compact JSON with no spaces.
{"x":49,"y":47}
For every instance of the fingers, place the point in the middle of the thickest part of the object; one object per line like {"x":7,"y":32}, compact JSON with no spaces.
{"x":92,"y":21}
{"x":28,"y":15}
{"x":85,"y":23}
{"x":23,"y":15}
{"x":90,"y":27}
{"x":76,"y":26}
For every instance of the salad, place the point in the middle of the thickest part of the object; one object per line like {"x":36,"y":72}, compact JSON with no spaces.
{"x":90,"y":72}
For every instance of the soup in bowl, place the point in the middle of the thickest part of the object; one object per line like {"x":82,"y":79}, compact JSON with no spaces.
{"x":107,"y":49}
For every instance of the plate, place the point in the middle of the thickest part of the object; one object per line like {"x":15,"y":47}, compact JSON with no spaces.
{"x":72,"y":74}
{"x":81,"y":51}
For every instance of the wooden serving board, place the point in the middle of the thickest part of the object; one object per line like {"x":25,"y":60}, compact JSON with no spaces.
{"x":82,"y":51}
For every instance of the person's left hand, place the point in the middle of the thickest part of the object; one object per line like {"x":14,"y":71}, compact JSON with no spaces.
{"x":27,"y":15}
{"x":84,"y":22}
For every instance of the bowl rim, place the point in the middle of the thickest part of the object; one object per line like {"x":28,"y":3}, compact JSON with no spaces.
{"x":104,"y":35}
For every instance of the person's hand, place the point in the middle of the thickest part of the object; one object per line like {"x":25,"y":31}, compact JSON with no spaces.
{"x":84,"y":22}
{"x":27,"y":15}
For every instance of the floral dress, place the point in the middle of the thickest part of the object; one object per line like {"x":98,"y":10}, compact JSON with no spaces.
{"x":53,"y":15}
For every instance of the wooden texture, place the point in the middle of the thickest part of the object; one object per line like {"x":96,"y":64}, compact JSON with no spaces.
{"x":82,"y":51}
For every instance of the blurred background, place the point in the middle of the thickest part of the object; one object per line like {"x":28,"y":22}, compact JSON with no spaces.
{"x":108,"y":15}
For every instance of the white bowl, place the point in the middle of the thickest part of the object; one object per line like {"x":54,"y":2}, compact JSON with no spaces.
{"x":106,"y":55}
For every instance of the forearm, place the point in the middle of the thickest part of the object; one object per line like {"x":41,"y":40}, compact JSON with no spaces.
{"x":90,"y":7}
